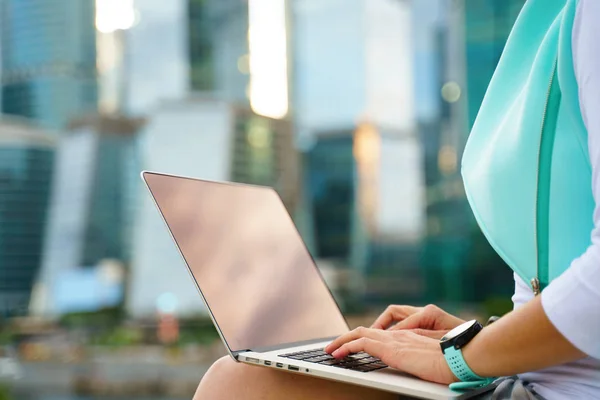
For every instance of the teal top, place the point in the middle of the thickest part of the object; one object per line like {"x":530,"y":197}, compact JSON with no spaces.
{"x":526,"y":166}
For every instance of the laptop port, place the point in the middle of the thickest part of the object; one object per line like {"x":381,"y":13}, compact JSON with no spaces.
{"x":279,"y":365}
{"x":267,"y":362}
{"x":254,"y":360}
{"x":293,"y":368}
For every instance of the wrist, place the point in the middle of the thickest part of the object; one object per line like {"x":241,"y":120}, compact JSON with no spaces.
{"x":452,"y":346}
{"x":476,"y":357}
{"x":445,"y":372}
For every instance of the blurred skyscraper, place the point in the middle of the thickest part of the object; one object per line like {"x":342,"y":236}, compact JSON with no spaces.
{"x":157,"y":54}
{"x":487,"y":24}
{"x":26,"y":160}
{"x":329,"y":182}
{"x":177,"y":139}
{"x":264,"y":154}
{"x":232,"y":125}
{"x":48,"y":69}
{"x":208,"y":139}
{"x":203,"y":48}
{"x":458,"y":44}
{"x":355,"y":118}
{"x":114,"y":20}
{"x":93,"y":200}
{"x":218,"y":48}
{"x":200,"y":46}
{"x":239,"y":52}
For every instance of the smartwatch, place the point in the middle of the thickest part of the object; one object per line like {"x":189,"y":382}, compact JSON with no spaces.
{"x":451,"y":345}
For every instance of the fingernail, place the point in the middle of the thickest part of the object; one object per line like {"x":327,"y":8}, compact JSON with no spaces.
{"x":336,"y":353}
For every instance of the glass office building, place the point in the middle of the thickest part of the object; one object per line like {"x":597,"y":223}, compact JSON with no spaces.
{"x":91,"y":211}
{"x":330,"y":183}
{"x":218,"y":48}
{"x":200,"y":48}
{"x":26,"y":160}
{"x":487,"y":25}
{"x":96,"y":177}
{"x":112,"y":199}
{"x":263,"y":153}
{"x":466,"y":45}
{"x":48,"y":59}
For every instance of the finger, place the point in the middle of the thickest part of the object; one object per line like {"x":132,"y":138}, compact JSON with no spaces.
{"x":393,"y":314}
{"x":368,"y":345}
{"x":357,"y":334}
{"x":419,"y":320}
{"x":429,"y":333}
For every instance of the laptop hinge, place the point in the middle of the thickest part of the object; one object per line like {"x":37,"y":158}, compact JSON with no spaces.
{"x":236,"y":354}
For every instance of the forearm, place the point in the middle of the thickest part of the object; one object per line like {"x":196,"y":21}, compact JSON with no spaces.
{"x":521,"y":341}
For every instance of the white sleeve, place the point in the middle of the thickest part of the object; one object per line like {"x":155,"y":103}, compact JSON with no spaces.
{"x":572,"y":301}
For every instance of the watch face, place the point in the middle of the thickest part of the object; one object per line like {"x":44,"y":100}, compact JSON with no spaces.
{"x":459,"y":330}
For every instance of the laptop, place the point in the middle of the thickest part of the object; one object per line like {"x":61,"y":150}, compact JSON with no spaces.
{"x":263,"y":291}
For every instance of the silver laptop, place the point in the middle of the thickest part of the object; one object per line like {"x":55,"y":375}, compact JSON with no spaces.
{"x":260,"y":285}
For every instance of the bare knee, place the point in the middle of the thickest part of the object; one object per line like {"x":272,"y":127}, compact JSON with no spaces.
{"x":227,"y":379}
{"x":220,"y":374}
{"x":224,"y":366}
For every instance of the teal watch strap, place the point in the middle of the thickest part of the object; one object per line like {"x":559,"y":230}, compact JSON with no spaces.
{"x":464,"y":386}
{"x":461,"y":370}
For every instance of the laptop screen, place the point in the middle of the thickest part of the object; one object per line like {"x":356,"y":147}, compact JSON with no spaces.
{"x":249,"y":262}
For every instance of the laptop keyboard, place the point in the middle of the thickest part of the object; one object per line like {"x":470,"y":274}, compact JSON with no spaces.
{"x":361,"y":362}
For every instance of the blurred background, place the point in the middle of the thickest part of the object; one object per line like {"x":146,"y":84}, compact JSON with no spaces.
{"x":356,"y":111}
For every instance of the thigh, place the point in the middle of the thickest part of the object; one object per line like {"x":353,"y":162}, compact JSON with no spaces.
{"x":230,"y":380}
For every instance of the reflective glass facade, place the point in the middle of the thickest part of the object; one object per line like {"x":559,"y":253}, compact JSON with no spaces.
{"x":330,"y":183}
{"x":487,"y":26}
{"x":218,"y":48}
{"x":263,"y":153}
{"x":25,"y":176}
{"x":458,"y":262}
{"x":200,"y":46}
{"x":110,"y":210}
{"x":48,"y":59}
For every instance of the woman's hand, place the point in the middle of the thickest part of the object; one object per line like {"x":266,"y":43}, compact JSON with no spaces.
{"x":400,"y":349}
{"x":430,"y":321}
